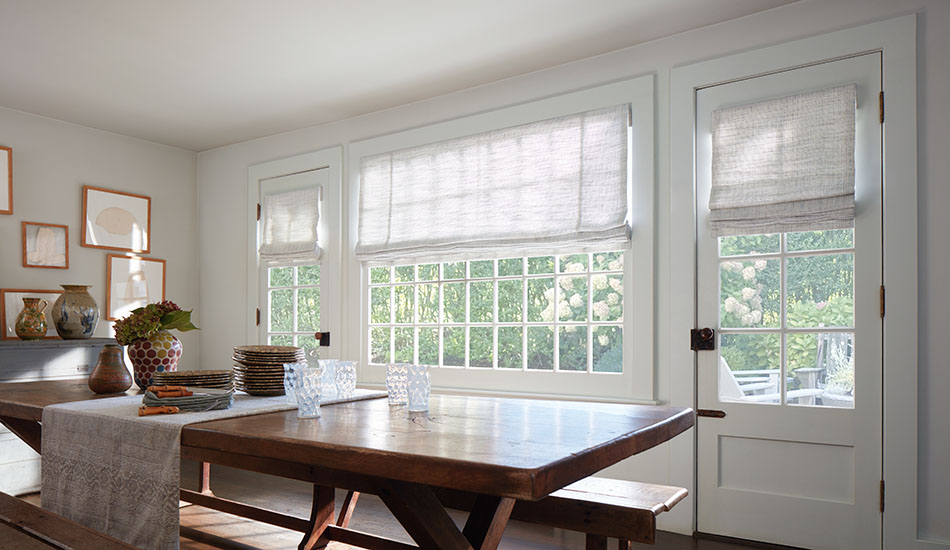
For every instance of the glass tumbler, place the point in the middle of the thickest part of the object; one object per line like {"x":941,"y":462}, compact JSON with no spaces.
{"x":396,"y":382}
{"x":329,"y":378}
{"x":291,"y":375}
{"x":309,"y":383}
{"x":345,"y":379}
{"x":418,"y":388}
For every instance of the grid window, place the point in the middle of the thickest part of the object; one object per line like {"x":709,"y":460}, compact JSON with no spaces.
{"x":293,"y":305}
{"x":539,"y":313}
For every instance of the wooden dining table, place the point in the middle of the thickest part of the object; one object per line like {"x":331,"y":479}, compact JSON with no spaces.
{"x":501,"y":449}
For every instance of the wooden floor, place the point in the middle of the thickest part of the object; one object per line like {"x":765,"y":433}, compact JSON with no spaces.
{"x":204,"y":529}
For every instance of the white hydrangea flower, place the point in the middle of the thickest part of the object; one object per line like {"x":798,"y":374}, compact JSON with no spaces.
{"x":734,"y":267}
{"x":570,"y":328}
{"x":564,"y":310}
{"x":603,"y":339}
{"x":549,"y":294}
{"x":547,"y":314}
{"x":613,"y":298}
{"x":600,"y":258}
{"x":599,"y":282}
{"x":760,"y":265}
{"x":601,"y":310}
{"x":616,"y":285}
{"x":756,"y":303}
{"x":742,"y":310}
{"x":576,"y":300}
{"x":747,"y":319}
{"x":614,"y":265}
{"x":756,"y":316}
{"x":748,"y":273}
{"x":748,"y":293}
{"x":731,"y":305}
{"x":575,"y":267}
{"x":567,"y":283}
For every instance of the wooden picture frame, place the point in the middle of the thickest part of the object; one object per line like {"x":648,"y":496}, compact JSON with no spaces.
{"x":132,"y":282}
{"x":45,"y":245}
{"x":11,"y":304}
{"x":6,"y":180}
{"x":116,"y":220}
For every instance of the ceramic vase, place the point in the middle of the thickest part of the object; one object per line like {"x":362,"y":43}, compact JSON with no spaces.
{"x":110,"y":375}
{"x":75,"y":313}
{"x":160,"y":353}
{"x":31,"y":322}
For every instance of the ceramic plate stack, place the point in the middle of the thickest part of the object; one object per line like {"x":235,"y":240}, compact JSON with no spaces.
{"x":220,"y":379}
{"x":259,"y":370}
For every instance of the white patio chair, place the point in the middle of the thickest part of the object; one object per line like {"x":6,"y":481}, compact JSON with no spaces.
{"x":731,"y":390}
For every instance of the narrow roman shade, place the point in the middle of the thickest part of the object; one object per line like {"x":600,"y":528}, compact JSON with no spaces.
{"x":289,"y":227}
{"x":546,"y":185}
{"x":784,"y":165}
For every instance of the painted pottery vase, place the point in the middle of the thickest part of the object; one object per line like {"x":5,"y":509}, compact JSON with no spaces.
{"x":110,"y":375}
{"x":75,"y":313}
{"x":160,"y":353}
{"x":31,"y":322}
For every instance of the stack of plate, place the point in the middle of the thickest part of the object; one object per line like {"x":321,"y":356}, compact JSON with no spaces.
{"x":220,"y":379}
{"x":259,"y":370}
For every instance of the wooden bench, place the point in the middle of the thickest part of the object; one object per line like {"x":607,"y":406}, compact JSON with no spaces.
{"x":26,"y":527}
{"x":599,"y":507}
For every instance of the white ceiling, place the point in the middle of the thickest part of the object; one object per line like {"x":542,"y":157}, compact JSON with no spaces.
{"x":199,"y":74}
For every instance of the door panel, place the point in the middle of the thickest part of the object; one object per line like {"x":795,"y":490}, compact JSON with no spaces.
{"x":797,"y":370}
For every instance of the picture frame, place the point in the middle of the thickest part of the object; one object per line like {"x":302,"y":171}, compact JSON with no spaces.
{"x":116,"y":220}
{"x":45,"y":245}
{"x":132,"y":282}
{"x":11,"y":304}
{"x":6,"y":180}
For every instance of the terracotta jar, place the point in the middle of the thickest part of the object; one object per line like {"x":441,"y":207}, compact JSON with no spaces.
{"x":31,"y":322}
{"x":75,"y":313}
{"x":110,"y":375}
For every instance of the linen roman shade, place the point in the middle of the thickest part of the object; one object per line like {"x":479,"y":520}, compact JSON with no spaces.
{"x":289,"y":227}
{"x":546,"y":185}
{"x":785,"y":164}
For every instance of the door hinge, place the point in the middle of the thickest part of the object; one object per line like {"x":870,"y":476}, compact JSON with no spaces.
{"x":882,"y":496}
{"x":882,"y":301}
{"x":258,"y":316}
{"x":258,"y":211}
{"x":880,"y":103}
{"x":702,"y":339}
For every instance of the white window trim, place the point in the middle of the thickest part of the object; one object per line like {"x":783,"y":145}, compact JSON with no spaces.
{"x":636,"y":384}
{"x":896,"y":39}
{"x":329,"y":233}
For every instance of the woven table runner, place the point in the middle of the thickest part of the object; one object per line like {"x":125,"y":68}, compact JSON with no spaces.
{"x":118,"y":473}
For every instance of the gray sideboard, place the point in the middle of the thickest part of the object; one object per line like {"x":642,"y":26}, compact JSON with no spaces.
{"x":22,"y":361}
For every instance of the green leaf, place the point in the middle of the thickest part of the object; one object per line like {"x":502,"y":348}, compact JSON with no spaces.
{"x":178,"y":320}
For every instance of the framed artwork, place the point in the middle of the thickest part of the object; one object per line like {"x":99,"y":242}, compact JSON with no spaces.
{"x":6,"y":180}
{"x":45,"y":245}
{"x":11,"y":304}
{"x":132,"y":282}
{"x":115,"y":220}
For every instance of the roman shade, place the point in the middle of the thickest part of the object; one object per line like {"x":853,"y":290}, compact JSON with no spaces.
{"x":289,"y":227}
{"x":557,"y":183}
{"x":785,"y":164}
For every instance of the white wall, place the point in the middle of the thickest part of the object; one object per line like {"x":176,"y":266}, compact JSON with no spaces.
{"x":223,"y":173}
{"x":52,"y":160}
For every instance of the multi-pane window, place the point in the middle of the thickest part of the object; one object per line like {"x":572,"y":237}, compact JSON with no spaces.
{"x":293,"y":305}
{"x":787,"y":318}
{"x":541,"y":313}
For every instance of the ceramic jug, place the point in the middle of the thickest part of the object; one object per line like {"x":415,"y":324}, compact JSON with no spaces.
{"x":31,"y":322}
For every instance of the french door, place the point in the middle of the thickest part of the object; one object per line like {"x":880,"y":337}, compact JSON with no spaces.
{"x":797,"y":370}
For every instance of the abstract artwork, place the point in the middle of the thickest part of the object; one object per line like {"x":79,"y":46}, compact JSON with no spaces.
{"x":45,"y":245}
{"x":11,"y":304}
{"x":6,"y":180}
{"x":115,"y":220}
{"x":132,"y":283}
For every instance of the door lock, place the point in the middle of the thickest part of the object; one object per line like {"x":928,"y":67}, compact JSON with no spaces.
{"x":702,"y":339}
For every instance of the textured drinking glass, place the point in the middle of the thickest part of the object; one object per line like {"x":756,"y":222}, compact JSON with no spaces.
{"x":329,"y":378}
{"x":396,"y":382}
{"x":309,"y":382}
{"x":345,"y":378}
{"x":291,"y":374}
{"x":418,"y":387}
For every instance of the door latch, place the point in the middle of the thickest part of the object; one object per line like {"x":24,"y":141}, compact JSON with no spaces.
{"x":702,"y":339}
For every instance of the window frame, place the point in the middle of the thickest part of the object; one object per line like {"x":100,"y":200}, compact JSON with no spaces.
{"x":636,"y":383}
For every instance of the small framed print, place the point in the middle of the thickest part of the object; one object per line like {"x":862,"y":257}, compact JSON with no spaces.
{"x":132,"y":282}
{"x":45,"y":245}
{"x":11,"y":304}
{"x":6,"y":180}
{"x":115,"y":220}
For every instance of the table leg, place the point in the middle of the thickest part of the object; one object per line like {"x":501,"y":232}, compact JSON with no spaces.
{"x":423,"y":516}
{"x":204,"y":479}
{"x":30,"y":432}
{"x":321,"y":515}
{"x":349,"y":505}
{"x":486,"y":523}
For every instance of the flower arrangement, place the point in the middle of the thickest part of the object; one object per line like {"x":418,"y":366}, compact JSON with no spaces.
{"x":145,"y":322}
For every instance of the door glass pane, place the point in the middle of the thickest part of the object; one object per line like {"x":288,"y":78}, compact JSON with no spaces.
{"x":453,"y":344}
{"x":428,"y":272}
{"x":379,"y":307}
{"x":280,"y":340}
{"x":453,"y":296}
{"x":750,"y":367}
{"x":510,"y":266}
{"x":608,"y":261}
{"x":429,"y":346}
{"x":403,"y":343}
{"x":541,"y":265}
{"x":750,"y":293}
{"x":453,"y":270}
{"x":821,"y":290}
{"x":572,"y":348}
{"x":308,"y":275}
{"x":509,"y":300}
{"x":379,"y":345}
{"x":575,"y":263}
{"x":608,"y":349}
{"x":281,"y":311}
{"x":481,"y":301}
{"x":608,"y":296}
{"x":481,"y":269}
{"x":821,"y":369}
{"x":403,"y":304}
{"x":541,"y":300}
{"x":573,"y":303}
{"x":509,"y":347}
{"x":428,"y":303}
{"x":404,"y":274}
{"x":741,"y":245}
{"x":480,"y":347}
{"x":379,"y":275}
{"x":308,"y":309}
{"x":541,"y":348}
{"x":820,"y":240}
{"x":281,"y":276}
